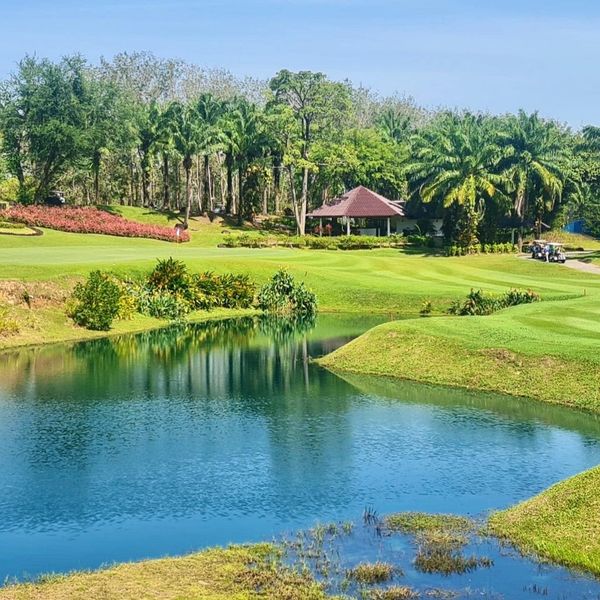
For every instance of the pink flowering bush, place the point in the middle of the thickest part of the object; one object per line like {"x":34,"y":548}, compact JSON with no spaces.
{"x":89,"y":220}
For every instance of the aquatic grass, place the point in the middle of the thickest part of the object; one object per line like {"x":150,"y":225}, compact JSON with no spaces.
{"x":370,"y":573}
{"x":446,"y":560}
{"x":418,"y":522}
{"x":392,"y":593}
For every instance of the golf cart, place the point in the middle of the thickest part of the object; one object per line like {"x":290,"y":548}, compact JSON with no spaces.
{"x":55,"y":198}
{"x":555,"y":253}
{"x":536,"y":248}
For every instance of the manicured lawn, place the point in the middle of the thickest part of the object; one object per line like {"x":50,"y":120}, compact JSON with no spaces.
{"x":237,"y":573}
{"x":562,"y":523}
{"x":369,"y":280}
{"x":549,"y":351}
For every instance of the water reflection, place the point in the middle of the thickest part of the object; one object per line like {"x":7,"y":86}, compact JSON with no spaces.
{"x":175,"y":439}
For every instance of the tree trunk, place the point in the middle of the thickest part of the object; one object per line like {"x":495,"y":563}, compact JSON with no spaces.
{"x":241,"y":204}
{"x":303,"y":203}
{"x":229,"y":164}
{"x":145,"y":187}
{"x":199,"y":185}
{"x":96,"y":159}
{"x":276,"y":186}
{"x":208,"y":200}
{"x":166,"y":190}
{"x":187,"y":165}
{"x":294,"y":198}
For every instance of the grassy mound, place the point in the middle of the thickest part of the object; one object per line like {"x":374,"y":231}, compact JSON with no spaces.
{"x":561,"y":524}
{"x":237,"y":573}
{"x":547,"y":351}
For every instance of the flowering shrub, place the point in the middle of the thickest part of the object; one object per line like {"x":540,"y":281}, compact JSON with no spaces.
{"x":88,"y":220}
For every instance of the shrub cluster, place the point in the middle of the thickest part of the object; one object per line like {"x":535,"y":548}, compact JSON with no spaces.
{"x":88,"y":220}
{"x":282,"y":295}
{"x":352,"y":242}
{"x":171,"y":292}
{"x":478,"y":302}
{"x":502,"y":248}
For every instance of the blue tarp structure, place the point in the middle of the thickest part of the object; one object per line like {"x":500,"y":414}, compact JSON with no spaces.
{"x":575,"y":227}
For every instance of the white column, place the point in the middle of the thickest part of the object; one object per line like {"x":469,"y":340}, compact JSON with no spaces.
{"x":320,"y":226}
{"x":347,"y":225}
{"x":388,"y":227}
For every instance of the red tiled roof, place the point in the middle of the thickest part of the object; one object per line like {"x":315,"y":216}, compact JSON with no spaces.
{"x":359,"y":202}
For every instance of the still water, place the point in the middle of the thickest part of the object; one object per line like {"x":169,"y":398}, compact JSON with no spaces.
{"x":173,"y":440}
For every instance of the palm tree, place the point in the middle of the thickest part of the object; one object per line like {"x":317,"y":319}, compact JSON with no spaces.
{"x":246,"y":141}
{"x":394,"y":125}
{"x":148,"y":119}
{"x":536,"y":165}
{"x":210,"y":112}
{"x":164,"y":146}
{"x":453,"y":163}
{"x":187,"y":140}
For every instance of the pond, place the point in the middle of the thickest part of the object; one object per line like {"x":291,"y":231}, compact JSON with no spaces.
{"x":169,"y":441}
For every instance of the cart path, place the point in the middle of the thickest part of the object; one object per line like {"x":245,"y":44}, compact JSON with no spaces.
{"x":579,"y":265}
{"x":574,"y":262}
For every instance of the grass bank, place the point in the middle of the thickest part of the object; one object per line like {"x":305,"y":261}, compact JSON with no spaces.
{"x":561,"y":524}
{"x":548,"y":351}
{"x":236,"y":573}
{"x":50,"y":324}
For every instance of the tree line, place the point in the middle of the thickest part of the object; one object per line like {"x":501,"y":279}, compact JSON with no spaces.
{"x":144,"y":131}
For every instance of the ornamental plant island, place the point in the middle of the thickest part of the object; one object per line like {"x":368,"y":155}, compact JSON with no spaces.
{"x":89,"y":220}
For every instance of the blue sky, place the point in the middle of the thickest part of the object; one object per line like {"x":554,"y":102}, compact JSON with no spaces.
{"x":497,"y":56}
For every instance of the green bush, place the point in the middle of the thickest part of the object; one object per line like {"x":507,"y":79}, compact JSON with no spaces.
{"x":284,"y":296}
{"x":362,"y":242}
{"x":95,"y":303}
{"x":8,"y":326}
{"x":163,"y":304}
{"x":426,"y":308}
{"x":501,"y":248}
{"x":514,"y":297}
{"x":418,"y":240}
{"x":479,"y":303}
{"x":476,"y":303}
{"x":170,"y":274}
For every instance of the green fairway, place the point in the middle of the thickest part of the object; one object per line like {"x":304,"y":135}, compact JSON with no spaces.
{"x":370,"y":280}
{"x":562,"y":523}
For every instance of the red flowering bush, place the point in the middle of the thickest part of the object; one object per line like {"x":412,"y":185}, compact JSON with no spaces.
{"x":89,"y":220}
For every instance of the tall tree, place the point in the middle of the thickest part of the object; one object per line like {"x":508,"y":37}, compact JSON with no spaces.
{"x":42,"y":116}
{"x":210,"y":112}
{"x":247,"y":141}
{"x":318,"y":105}
{"x":187,"y":140}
